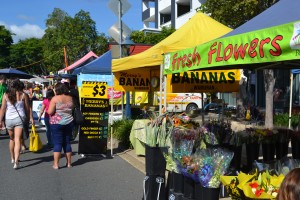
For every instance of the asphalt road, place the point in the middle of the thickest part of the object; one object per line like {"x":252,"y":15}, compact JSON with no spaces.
{"x":90,"y":178}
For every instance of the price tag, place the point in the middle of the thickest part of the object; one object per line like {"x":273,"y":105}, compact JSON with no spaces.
{"x":93,"y":89}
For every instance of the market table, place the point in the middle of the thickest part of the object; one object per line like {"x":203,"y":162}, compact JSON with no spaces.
{"x":138,"y":136}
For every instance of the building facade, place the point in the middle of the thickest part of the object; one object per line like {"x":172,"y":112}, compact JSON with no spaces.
{"x":167,"y":13}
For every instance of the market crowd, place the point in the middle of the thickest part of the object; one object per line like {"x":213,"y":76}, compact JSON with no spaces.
{"x":16,"y":115}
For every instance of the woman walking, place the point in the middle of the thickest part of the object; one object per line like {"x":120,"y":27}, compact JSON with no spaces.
{"x":15,"y":107}
{"x":45,"y":106}
{"x":61,"y":123}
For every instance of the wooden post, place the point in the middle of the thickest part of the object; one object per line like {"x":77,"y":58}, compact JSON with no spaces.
{"x":66,"y":60}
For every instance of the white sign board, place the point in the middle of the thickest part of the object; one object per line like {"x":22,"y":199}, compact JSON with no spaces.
{"x":36,"y":107}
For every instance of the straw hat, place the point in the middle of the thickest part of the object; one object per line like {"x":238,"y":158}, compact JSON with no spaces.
{"x":36,"y":89}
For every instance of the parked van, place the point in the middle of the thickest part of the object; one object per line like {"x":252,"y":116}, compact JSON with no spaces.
{"x":180,"y":102}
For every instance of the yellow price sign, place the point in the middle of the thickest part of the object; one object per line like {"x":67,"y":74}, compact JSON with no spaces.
{"x":94,"y":89}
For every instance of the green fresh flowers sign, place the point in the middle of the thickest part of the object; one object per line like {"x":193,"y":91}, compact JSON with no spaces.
{"x":266,"y":45}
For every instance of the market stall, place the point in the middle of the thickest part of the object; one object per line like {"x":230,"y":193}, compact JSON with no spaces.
{"x":199,"y":29}
{"x":269,"y":40}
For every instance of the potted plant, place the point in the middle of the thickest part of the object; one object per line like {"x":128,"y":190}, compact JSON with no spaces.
{"x":268,"y":140}
{"x":157,"y":143}
{"x":252,"y":141}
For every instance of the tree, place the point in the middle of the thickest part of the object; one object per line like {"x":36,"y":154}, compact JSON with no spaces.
{"x":233,"y":14}
{"x":5,"y":43}
{"x":27,"y":55}
{"x":53,"y":39}
{"x":78,"y":35}
{"x":151,"y":38}
{"x":269,"y":81}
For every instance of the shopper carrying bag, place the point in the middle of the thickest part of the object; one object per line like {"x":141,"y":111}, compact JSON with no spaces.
{"x":35,"y":143}
{"x":15,"y":108}
{"x":25,"y":133}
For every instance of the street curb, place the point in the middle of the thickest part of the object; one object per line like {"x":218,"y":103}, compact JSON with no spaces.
{"x":133,"y":160}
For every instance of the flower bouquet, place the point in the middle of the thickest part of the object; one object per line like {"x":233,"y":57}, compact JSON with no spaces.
{"x":231,"y":138}
{"x":233,"y":141}
{"x":216,"y":132}
{"x":251,"y":136}
{"x":207,"y":137}
{"x":183,"y":140}
{"x":266,"y":135}
{"x":268,"y":140}
{"x":233,"y":185}
{"x":212,"y":163}
{"x":263,"y":186}
{"x":260,"y":185}
{"x":158,"y":131}
{"x":252,"y":141}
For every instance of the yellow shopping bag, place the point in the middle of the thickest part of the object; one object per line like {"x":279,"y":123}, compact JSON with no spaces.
{"x":35,"y":143}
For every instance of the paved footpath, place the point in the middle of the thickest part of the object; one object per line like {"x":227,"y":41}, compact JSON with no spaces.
{"x":91,"y":178}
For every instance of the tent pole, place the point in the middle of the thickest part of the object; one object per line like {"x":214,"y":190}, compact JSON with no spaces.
{"x":202,"y":104}
{"x":111,"y":118}
{"x":160,"y":89}
{"x":256,"y":92}
{"x":122,"y":105}
{"x":165,"y":87}
{"x":291,"y":99}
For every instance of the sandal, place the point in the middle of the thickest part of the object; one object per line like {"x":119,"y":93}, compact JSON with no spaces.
{"x":55,"y":167}
{"x":23,"y":148}
{"x":68,"y":166}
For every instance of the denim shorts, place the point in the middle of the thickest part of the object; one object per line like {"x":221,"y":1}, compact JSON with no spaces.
{"x":12,"y":123}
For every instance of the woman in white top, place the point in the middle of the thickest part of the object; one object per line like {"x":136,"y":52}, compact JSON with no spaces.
{"x":15,"y":105}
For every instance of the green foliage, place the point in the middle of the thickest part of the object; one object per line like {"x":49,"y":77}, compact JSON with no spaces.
{"x":151,"y":38}
{"x":283,"y":120}
{"x":158,"y":131}
{"x":121,"y":131}
{"x":234,"y":13}
{"x":78,"y":35}
{"x":5,"y":43}
{"x":28,"y":52}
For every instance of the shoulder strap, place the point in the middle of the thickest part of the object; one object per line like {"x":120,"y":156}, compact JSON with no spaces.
{"x":22,"y":96}
{"x":18,"y":113}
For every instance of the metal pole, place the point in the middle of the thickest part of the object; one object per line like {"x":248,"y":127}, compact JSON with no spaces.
{"x":111,"y":119}
{"x":128,"y":107}
{"x":160,"y":90}
{"x":120,"y":26}
{"x":112,"y":94}
{"x":202,"y":105}
{"x":164,"y":87}
{"x":256,"y":92}
{"x":291,"y":100}
{"x":122,"y":105}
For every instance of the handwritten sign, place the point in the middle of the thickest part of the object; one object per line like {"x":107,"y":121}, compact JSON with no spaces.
{"x":94,"y":89}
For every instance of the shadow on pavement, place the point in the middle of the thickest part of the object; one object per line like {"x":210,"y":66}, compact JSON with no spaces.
{"x":88,"y":158}
{"x":38,"y":160}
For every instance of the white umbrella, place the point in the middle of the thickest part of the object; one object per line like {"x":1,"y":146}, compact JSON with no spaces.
{"x":39,"y":79}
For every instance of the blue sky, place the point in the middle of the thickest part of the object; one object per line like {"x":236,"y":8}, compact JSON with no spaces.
{"x":26,"y":18}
